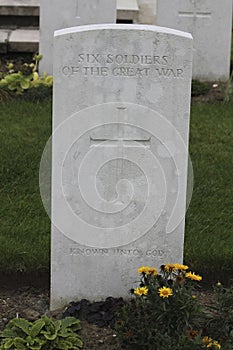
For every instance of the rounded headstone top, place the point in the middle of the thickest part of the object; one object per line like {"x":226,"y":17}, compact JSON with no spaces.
{"x":128,"y":27}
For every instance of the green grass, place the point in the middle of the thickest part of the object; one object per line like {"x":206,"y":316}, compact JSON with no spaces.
{"x":25,"y":227}
{"x":209,"y":224}
{"x":24,"y":233}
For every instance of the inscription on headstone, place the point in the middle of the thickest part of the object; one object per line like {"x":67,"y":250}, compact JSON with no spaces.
{"x":120,"y":136}
{"x":124,"y":66}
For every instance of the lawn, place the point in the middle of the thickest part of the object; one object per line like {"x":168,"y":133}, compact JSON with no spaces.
{"x":209,"y":224}
{"x":25,"y":227}
{"x":24,"y":234}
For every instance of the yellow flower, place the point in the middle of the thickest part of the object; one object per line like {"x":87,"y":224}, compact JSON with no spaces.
{"x":141,"y":291}
{"x":194,"y":297}
{"x":206,"y":340}
{"x":143,"y":269}
{"x":165,"y":292}
{"x":170,"y":267}
{"x":148,"y":270}
{"x":181,"y":267}
{"x":210,"y":343}
{"x":216,"y":344}
{"x":219,"y":284}
{"x":153,"y":271}
{"x":193,"y":277}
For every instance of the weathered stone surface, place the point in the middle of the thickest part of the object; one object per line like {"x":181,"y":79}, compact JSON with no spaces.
{"x":127,"y":10}
{"x":59,"y":14}
{"x":120,"y":138}
{"x":23,"y":40}
{"x":4,"y":34}
{"x":147,"y":11}
{"x":19,"y":7}
{"x":210,"y":23}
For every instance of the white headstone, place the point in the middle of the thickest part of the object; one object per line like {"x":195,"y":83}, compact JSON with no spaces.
{"x":59,"y":14}
{"x":210,"y":23}
{"x":119,"y":172}
{"x":147,"y":11}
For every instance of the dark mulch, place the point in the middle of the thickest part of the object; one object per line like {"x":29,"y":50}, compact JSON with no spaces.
{"x":32,"y":303}
{"x":101,"y":313}
{"x":17,"y":59}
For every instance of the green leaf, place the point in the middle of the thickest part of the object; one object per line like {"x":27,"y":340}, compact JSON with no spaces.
{"x":12,"y":86}
{"x":50,"y":336}
{"x":40,"y":341}
{"x":28,"y":77}
{"x":44,"y":333}
{"x":29,"y":340}
{"x":38,"y":57}
{"x":70,"y":321}
{"x":76,"y":341}
{"x":22,"y":324}
{"x":3,"y":83}
{"x":71,"y":343}
{"x":8,"y":333}
{"x":63,"y":345}
{"x":57,"y":325}
{"x":24,"y":84}
{"x":37,"y":327}
{"x":49,"y":80}
{"x":36,"y":76}
{"x":10,"y":78}
{"x":8,"y":344}
{"x":20,"y":344}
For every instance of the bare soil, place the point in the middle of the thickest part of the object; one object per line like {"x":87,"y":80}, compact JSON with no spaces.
{"x":31,"y":303}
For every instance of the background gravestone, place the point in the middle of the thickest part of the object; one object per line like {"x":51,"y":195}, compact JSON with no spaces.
{"x":120,"y":137}
{"x":59,"y":14}
{"x":147,"y":11}
{"x":210,"y":23}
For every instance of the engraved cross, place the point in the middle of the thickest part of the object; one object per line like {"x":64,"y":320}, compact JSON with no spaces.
{"x":121,"y":141}
{"x":116,"y":142}
{"x":195,"y":14}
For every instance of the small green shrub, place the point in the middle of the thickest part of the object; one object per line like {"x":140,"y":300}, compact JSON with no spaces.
{"x":43,"y":334}
{"x":26,"y":78}
{"x":164,"y":313}
{"x":200,"y":88}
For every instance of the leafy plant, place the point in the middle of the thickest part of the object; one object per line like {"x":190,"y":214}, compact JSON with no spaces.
{"x":43,"y":334}
{"x":164,"y":312}
{"x":24,"y":79}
